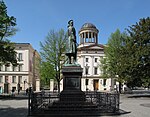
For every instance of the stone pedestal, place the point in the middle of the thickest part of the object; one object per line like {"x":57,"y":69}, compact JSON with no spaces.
{"x":72,"y":84}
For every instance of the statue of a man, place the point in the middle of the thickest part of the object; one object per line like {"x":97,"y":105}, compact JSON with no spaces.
{"x":71,"y":44}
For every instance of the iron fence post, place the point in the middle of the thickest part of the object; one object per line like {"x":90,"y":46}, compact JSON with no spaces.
{"x":29,"y":102}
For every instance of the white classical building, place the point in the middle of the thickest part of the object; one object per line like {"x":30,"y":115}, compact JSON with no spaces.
{"x":23,"y":76}
{"x":88,"y":56}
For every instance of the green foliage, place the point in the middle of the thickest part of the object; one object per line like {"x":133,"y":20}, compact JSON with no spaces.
{"x":7,"y":23}
{"x":112,"y":63}
{"x":128,"y":57}
{"x":52,"y":51}
{"x":104,"y":67}
{"x":46,"y":72}
{"x":7,"y":52}
{"x":139,"y":45}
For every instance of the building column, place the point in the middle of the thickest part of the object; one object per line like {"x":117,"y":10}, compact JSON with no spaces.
{"x":83,"y":57}
{"x":96,"y":38}
{"x":51,"y":84}
{"x":84,"y":37}
{"x":37,"y":84}
{"x":92,"y":65}
{"x":80,"y":38}
{"x":91,"y":36}
{"x":88,"y":37}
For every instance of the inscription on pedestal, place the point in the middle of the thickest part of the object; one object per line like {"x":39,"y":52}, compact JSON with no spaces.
{"x":72,"y":83}
{"x":72,"y":77}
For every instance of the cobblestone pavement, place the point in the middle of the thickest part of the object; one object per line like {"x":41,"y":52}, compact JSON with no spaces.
{"x":138,"y":107}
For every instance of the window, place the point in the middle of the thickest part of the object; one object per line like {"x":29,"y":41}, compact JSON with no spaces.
{"x":14,"y":68}
{"x":1,"y":79}
{"x":95,"y":60}
{"x":6,"y":68}
{"x":104,"y":82}
{"x":86,"y":59}
{"x":1,"y":68}
{"x":20,"y":79}
{"x":6,"y":78}
{"x":86,"y":81}
{"x":13,"y":79}
{"x":86,"y":70}
{"x":95,"y":70}
{"x":20,"y":67}
{"x":20,"y":57}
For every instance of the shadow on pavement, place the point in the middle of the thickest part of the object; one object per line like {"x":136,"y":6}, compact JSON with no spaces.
{"x":13,"y":112}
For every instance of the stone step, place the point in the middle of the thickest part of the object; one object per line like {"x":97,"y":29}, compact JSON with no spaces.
{"x":72,"y":103}
{"x":63,"y":108}
{"x":80,"y":112}
{"x":76,"y":114}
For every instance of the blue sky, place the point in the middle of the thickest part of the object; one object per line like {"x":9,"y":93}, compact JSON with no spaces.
{"x":35,"y":18}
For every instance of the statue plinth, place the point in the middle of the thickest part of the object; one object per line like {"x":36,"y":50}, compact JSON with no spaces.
{"x":72,"y":77}
{"x":72,"y":84}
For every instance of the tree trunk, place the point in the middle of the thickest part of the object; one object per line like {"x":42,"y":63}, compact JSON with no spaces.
{"x":58,"y":82}
{"x":120,"y":87}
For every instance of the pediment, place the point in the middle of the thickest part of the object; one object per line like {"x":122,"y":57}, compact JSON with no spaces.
{"x":93,"y":46}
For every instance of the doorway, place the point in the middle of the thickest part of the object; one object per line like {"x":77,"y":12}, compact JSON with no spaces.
{"x":96,"y":84}
{"x":6,"y":88}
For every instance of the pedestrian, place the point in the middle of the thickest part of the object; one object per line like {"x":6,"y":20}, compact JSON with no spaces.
{"x":13,"y":92}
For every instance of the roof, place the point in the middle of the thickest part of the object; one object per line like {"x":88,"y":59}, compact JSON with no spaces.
{"x":88,"y":25}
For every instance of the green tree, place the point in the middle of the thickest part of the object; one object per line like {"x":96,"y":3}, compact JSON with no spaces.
{"x":128,"y":56}
{"x":139,"y":45}
{"x":7,"y":24}
{"x":46,"y":72}
{"x":52,"y":51}
{"x":112,"y":64}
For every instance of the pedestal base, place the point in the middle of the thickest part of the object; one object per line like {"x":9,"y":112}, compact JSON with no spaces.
{"x":72,"y":99}
{"x":69,"y":96}
{"x":72,"y":84}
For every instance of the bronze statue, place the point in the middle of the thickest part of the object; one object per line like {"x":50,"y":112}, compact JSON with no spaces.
{"x":71,"y":46}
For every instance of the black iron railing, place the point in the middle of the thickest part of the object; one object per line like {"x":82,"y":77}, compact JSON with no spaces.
{"x":38,"y":101}
{"x":105,"y":102}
